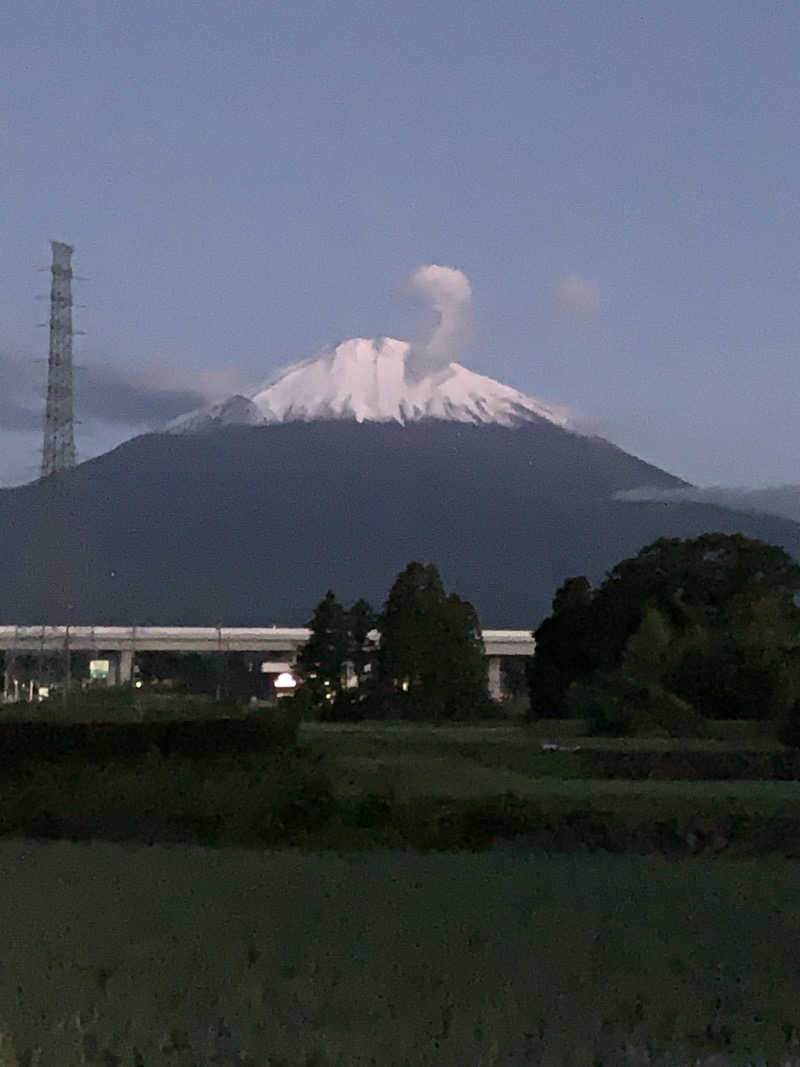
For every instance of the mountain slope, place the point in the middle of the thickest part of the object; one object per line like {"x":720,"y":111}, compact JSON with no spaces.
{"x":250,"y":525}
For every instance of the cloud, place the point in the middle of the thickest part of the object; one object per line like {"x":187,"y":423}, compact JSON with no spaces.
{"x":108,"y":394}
{"x":20,"y":407}
{"x":20,"y":456}
{"x":449,"y":293}
{"x":576,"y":296}
{"x":16,"y":416}
{"x":112,"y":403}
{"x":782,"y":500}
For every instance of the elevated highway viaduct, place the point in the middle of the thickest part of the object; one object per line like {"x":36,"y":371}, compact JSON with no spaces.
{"x":278,"y":645}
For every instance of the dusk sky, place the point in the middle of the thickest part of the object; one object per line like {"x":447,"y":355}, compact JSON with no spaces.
{"x":245,"y":183}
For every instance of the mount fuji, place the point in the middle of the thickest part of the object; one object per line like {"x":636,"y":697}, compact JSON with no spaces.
{"x":249,"y":525}
{"x":372,"y":381}
{"x":335,"y":474}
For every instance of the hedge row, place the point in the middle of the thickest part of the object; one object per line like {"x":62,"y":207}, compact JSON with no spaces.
{"x":286,"y":800}
{"x":271,"y":799}
{"x":570,"y":762}
{"x":124,"y":705}
{"x":696,"y":764}
{"x":26,"y":743}
{"x":477,"y":825}
{"x":101,"y":742}
{"x":692,"y":764}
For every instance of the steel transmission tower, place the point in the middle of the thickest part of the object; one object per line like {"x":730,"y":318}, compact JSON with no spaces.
{"x":59,"y":428}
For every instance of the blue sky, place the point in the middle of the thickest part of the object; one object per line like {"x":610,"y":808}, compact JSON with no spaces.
{"x":247,"y":182}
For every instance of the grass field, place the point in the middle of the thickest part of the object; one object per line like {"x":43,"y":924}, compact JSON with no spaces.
{"x":411,"y":761}
{"x":565,"y":731}
{"x":471,"y":757}
{"x":163,"y":956}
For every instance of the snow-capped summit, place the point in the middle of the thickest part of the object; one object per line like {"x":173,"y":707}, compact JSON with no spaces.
{"x":370,"y":380}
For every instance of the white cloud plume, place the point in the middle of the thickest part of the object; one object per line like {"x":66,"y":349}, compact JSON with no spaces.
{"x":449,"y":293}
{"x":578,"y":297}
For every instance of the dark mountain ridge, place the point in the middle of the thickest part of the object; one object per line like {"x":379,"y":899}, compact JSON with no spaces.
{"x":250,"y":525}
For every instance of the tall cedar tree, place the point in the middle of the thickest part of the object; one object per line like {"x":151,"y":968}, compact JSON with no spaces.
{"x":565,"y":649}
{"x":431,"y":655}
{"x":360,"y":620}
{"x":323,"y":656}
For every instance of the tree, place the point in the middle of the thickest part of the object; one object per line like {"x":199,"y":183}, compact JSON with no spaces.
{"x":574,"y":595}
{"x":727,"y":676}
{"x":431,"y":657}
{"x":616,"y":705}
{"x":321,"y":660}
{"x":712,"y":619}
{"x":647,"y":652}
{"x":409,"y":626}
{"x":565,"y":649}
{"x":458,"y":686}
{"x":716,"y":577}
{"x":361,"y":620}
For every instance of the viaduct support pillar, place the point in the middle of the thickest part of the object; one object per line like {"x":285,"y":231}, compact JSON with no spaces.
{"x":495,"y":679}
{"x":125,"y":667}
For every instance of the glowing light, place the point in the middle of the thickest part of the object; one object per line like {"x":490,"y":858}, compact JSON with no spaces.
{"x":285,"y":681}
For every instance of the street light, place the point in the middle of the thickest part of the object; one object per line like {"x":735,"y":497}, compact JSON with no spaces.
{"x":285,"y":684}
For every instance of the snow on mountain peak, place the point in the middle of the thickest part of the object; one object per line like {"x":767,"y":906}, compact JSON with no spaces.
{"x":368,"y":380}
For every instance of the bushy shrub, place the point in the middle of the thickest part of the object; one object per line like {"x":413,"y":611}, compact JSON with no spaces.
{"x":303,"y":703}
{"x":348,"y":705}
{"x":611,"y":705}
{"x":505,"y":817}
{"x":677,"y":717}
{"x":372,"y":810}
{"x":730,"y":678}
{"x":615,"y":705}
{"x":417,"y":706}
{"x":275,"y":798}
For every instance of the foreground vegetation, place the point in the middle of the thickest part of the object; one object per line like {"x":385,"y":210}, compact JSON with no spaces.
{"x":685,"y":631}
{"x":417,"y":787}
{"x":165,"y":956}
{"x":356,"y":928}
{"x":575,"y":938}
